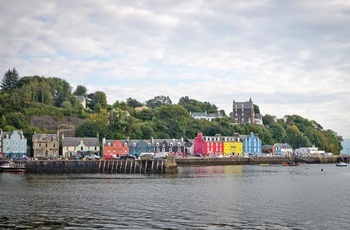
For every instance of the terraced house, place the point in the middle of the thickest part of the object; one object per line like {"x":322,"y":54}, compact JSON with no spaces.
{"x":13,"y":144}
{"x":208,"y":146}
{"x":80,"y":146}
{"x":45,"y":145}
{"x":252,"y":144}
{"x":232,"y":146}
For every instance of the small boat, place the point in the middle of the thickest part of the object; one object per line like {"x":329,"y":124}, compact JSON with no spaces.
{"x":341,"y":164}
{"x":262,"y":164}
{"x":12,"y":167}
{"x":290,"y":163}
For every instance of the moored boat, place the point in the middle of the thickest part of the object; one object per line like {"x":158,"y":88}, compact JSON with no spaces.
{"x":290,"y":163}
{"x":264,"y":164}
{"x":341,"y":164}
{"x":12,"y":167}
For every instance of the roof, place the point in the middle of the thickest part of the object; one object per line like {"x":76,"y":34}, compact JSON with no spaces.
{"x":282,"y":145}
{"x":75,"y":141}
{"x":38,"y":136}
{"x":4,"y":134}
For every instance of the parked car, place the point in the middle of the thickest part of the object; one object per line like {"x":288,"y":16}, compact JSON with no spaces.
{"x":128,"y":156}
{"x":109,"y":157}
{"x":92,"y":157}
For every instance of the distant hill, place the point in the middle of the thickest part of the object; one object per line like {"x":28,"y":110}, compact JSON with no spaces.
{"x":346,"y":146}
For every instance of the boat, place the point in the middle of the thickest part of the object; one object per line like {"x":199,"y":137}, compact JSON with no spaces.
{"x":264,"y":164}
{"x":341,"y":164}
{"x":290,"y":163}
{"x":12,"y":167}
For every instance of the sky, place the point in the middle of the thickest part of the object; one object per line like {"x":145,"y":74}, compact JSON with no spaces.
{"x":289,"y":57}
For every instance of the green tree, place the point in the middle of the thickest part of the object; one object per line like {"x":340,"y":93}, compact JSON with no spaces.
{"x":145,"y":114}
{"x":99,"y":101}
{"x":10,"y":80}
{"x":268,"y":119}
{"x":158,"y":101}
{"x":80,"y":90}
{"x":278,"y":133}
{"x":294,"y":136}
{"x":256,"y":109}
{"x":133,"y":102}
{"x":175,"y":118}
{"x":60,"y":90}
{"x":101,"y":121}
{"x":87,"y":129}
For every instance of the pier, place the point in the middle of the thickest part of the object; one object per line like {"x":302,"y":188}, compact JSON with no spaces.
{"x":165,"y":166}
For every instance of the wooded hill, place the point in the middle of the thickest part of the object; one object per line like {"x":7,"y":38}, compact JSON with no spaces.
{"x":47,"y":104}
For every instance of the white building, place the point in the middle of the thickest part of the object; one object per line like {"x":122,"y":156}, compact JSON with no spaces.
{"x":309,"y":151}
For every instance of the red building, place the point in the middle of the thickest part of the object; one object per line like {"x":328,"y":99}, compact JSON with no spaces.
{"x":208,"y":146}
{"x":114,"y":147}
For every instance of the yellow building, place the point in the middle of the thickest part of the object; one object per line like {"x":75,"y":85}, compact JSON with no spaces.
{"x":232,"y":146}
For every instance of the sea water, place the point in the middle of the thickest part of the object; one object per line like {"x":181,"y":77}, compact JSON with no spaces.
{"x":210,"y":197}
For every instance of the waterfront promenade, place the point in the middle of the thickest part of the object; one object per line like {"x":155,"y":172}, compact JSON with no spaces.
{"x":253,"y":160}
{"x":165,"y":166}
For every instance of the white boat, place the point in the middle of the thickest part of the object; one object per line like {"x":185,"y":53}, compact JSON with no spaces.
{"x":341,"y":164}
{"x":12,"y":167}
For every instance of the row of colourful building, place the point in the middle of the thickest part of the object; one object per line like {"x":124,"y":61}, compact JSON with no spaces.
{"x":14,"y":145}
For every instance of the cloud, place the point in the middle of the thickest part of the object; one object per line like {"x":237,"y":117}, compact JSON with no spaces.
{"x":290,"y":57}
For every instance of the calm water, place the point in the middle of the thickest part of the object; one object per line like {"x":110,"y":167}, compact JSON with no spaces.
{"x":214,"y":197}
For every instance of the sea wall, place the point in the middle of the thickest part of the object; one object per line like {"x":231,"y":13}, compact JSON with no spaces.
{"x":167,"y":166}
{"x":117,"y":166}
{"x":257,"y":160}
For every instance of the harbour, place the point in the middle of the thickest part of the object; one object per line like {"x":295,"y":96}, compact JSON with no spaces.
{"x":311,"y":196}
{"x":159,"y":166}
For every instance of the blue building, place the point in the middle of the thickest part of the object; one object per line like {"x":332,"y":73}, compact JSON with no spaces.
{"x":282,"y":149}
{"x":13,"y":144}
{"x":252,"y":145}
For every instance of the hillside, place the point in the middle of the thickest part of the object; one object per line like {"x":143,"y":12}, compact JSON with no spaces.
{"x":46,"y":123}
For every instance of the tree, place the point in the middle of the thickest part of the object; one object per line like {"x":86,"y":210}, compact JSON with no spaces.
{"x":294,"y":136}
{"x":256,"y":109}
{"x":175,"y":118}
{"x":158,"y":101}
{"x":192,"y":105}
{"x":278,"y":133}
{"x":268,"y":119}
{"x":80,"y":90}
{"x":10,"y":80}
{"x":99,"y":100}
{"x":133,"y":102}
{"x":87,"y":129}
{"x":100,"y":120}
{"x":222,"y":112}
{"x":60,"y":90}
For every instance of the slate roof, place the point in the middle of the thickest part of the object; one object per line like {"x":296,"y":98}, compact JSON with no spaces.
{"x":38,"y":136}
{"x":3,"y":134}
{"x":283,"y":145}
{"x":75,"y":141}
